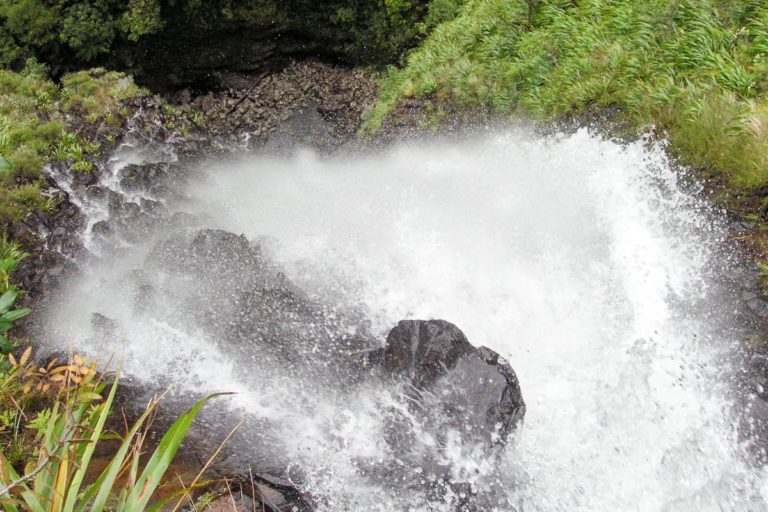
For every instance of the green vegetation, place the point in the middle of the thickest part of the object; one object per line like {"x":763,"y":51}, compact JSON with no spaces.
{"x":34,"y":28}
{"x":10,"y":257}
{"x":166,"y":38}
{"x":27,"y":132}
{"x":64,"y":435}
{"x":698,"y":69}
{"x":34,"y":129}
{"x":52,"y":418}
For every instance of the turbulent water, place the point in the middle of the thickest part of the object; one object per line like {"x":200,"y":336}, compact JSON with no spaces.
{"x":582,"y":261}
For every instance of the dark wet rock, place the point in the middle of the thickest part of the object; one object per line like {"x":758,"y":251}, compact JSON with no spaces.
{"x":104,"y":327}
{"x":422,"y":351}
{"x":97,"y":193}
{"x":445,"y":369}
{"x":101,"y":229}
{"x":151,"y":207}
{"x":221,"y":283}
{"x":44,"y":269}
{"x":759,"y":307}
{"x":52,"y":242}
{"x":157,"y":179}
{"x":249,"y":492}
{"x":466,"y":399}
{"x":83,"y":179}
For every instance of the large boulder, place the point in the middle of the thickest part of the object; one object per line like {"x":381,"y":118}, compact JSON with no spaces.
{"x":472,"y":390}
{"x":457,"y":404}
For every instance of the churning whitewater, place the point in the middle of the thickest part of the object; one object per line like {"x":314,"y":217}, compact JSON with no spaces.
{"x":581,"y":261}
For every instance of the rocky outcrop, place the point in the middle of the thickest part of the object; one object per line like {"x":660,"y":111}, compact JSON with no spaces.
{"x":306,"y":103}
{"x":466,"y":399}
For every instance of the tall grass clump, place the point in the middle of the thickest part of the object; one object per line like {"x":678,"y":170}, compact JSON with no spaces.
{"x":52,"y":418}
{"x":55,"y":478}
{"x":698,"y":69}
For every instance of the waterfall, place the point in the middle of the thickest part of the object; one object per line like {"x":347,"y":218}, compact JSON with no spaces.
{"x":590,"y":265}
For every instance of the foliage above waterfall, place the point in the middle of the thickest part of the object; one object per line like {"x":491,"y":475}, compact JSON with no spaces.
{"x":178,"y":40}
{"x":696,"y":68}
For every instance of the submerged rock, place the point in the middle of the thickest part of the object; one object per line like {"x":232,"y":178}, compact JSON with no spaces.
{"x":221,"y":283}
{"x":158,"y":179}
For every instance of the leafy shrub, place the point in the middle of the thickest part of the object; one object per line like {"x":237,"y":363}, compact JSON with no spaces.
{"x":10,"y":258}
{"x":55,"y":447}
{"x":88,"y":29}
{"x":73,"y":427}
{"x":142,"y":18}
{"x":28,"y":27}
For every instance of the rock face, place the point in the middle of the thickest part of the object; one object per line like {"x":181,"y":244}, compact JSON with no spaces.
{"x":306,"y":103}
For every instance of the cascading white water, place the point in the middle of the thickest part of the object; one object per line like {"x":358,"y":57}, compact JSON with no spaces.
{"x":580,"y":260}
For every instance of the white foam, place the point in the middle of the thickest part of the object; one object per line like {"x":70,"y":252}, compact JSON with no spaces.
{"x":579,"y":259}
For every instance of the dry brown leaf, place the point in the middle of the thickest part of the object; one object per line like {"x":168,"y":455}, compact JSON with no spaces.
{"x":25,"y":356}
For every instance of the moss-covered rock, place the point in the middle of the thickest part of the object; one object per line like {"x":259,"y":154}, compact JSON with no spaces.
{"x":42,"y":122}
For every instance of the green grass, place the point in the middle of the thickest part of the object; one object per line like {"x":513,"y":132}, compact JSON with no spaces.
{"x":697,"y":69}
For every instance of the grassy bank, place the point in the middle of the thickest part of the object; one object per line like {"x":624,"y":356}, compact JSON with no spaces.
{"x":41,"y":121}
{"x":696,"y":69}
